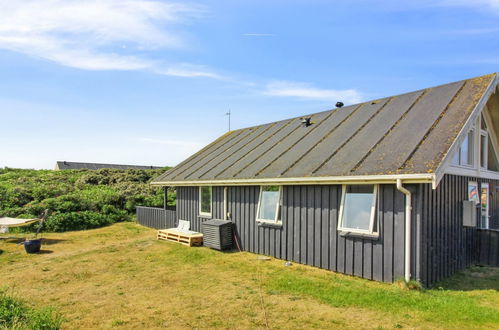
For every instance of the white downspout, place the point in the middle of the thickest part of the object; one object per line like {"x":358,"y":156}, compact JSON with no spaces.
{"x":225,"y":203}
{"x":408,"y":211}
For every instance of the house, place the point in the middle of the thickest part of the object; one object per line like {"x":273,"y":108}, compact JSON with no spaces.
{"x":398,"y":187}
{"x":64,"y":165}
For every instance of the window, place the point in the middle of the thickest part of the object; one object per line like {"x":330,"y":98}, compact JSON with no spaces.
{"x":488,"y":159}
{"x":483,"y":149}
{"x":484,"y":206}
{"x":269,"y":204}
{"x":464,"y":155}
{"x":358,"y":209}
{"x":205,"y":201}
{"x":492,"y":163}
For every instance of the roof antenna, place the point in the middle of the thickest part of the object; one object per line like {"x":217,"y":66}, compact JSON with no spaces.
{"x":339,"y":104}
{"x":228,"y":115}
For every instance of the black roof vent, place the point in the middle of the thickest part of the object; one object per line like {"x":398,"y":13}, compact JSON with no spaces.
{"x":339,"y":104}
{"x":306,"y":121}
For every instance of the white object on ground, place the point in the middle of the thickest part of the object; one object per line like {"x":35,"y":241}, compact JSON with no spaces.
{"x":183,"y":227}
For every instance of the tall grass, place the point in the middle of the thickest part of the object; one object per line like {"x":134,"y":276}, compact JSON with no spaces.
{"x":16,"y":314}
{"x":438,"y":306}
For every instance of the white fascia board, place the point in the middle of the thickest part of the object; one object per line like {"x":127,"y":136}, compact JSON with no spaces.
{"x":446,"y":161}
{"x":357,"y":179}
{"x":472,"y":172}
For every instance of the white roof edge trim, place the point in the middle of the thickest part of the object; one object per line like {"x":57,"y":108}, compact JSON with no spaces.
{"x":444,"y":164}
{"x":358,"y":179}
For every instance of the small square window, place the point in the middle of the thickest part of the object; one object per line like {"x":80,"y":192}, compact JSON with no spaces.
{"x":205,"y":201}
{"x":358,"y":209}
{"x":269,"y":204}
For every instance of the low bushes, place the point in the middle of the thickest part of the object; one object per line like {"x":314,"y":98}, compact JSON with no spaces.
{"x":78,"y":199}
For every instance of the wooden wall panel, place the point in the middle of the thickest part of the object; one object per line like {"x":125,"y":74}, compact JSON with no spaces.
{"x":447,"y":246}
{"x":309,"y":232}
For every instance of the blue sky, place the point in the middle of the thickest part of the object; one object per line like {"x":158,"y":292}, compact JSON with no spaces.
{"x":148,"y":82}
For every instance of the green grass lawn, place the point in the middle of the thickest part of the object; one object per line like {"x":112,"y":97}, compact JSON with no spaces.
{"x":121,"y":276}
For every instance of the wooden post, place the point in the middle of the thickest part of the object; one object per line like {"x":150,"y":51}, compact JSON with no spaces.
{"x":165,"y":198}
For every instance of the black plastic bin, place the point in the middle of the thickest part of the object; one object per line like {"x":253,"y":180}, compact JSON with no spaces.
{"x":32,"y":245}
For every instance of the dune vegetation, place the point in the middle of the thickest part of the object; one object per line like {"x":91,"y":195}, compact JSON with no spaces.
{"x":78,"y":199}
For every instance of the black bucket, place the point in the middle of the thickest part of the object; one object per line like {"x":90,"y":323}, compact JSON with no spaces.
{"x":33,"y":245}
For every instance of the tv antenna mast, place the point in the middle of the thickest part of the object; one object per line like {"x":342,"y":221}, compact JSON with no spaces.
{"x":228,"y":115}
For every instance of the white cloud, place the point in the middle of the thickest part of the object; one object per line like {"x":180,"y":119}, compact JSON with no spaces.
{"x":189,"y":71}
{"x":307,"y":91}
{"x":97,"y":34}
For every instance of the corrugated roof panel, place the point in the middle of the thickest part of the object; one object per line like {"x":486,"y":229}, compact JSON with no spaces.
{"x":208,"y":156}
{"x":247,"y":148}
{"x":200,"y":155}
{"x":243,"y":143}
{"x":447,"y":128}
{"x":351,"y":154}
{"x":339,"y":135}
{"x":258,"y":163}
{"x":408,"y":133}
{"x":264,"y":147}
{"x":314,"y":134}
{"x":399,"y":143}
{"x":228,"y":148}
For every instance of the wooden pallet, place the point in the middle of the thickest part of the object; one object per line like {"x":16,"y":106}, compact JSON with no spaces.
{"x":182,"y":238}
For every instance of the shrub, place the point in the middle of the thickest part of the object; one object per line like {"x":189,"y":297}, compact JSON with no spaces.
{"x":78,"y":221}
{"x":78,"y":199}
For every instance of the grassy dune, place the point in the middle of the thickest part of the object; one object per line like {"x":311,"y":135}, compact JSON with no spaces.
{"x":120,"y":276}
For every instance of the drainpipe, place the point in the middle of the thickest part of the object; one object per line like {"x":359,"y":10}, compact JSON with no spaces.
{"x":225,"y":203}
{"x":408,"y":211}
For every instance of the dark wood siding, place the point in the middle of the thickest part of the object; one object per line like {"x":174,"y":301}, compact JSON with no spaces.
{"x":441,"y":245}
{"x":308,"y":235}
{"x":488,"y":241}
{"x":448,"y":246}
{"x":188,"y":205}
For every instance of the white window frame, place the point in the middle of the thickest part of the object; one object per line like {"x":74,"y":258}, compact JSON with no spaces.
{"x":486,"y":225}
{"x":471,"y":146}
{"x":484,"y":149}
{"x":372,"y":231}
{"x":201,"y":213}
{"x":278,"y":207}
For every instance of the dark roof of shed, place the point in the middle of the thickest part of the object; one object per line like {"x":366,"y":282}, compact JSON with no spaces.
{"x":404,"y":134}
{"x":63,"y":165}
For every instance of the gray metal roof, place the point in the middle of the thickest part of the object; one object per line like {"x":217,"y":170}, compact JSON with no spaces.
{"x":64,"y":165}
{"x":404,"y":134}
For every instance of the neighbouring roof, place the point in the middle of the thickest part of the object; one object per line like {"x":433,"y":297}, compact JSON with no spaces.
{"x":63,"y":165}
{"x":404,"y":134}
